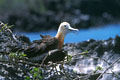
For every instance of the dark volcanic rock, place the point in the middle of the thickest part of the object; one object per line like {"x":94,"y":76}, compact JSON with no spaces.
{"x":96,"y":53}
{"x":99,"y":53}
{"x":12,"y":43}
{"x":101,"y":46}
{"x":116,"y":44}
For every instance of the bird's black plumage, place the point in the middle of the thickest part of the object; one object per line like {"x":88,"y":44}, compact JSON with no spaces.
{"x":44,"y":45}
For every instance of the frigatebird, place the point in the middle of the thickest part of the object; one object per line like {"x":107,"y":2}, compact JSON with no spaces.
{"x":38,"y":48}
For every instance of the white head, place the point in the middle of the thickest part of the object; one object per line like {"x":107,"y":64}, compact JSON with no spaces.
{"x":65,"y":28}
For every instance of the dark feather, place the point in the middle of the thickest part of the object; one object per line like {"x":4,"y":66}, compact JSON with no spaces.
{"x":45,"y":36}
{"x":55,"y":56}
{"x":44,"y":45}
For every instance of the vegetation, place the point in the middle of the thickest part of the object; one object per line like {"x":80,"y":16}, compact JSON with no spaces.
{"x":5,"y":27}
{"x":39,"y":72}
{"x":17,"y":55}
{"x":36,"y":74}
{"x":17,"y":64}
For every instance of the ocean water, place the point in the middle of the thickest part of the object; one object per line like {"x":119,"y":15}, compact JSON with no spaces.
{"x":101,"y":33}
{"x":88,"y":65}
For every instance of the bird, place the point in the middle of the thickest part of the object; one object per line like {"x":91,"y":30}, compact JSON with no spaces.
{"x":38,"y":47}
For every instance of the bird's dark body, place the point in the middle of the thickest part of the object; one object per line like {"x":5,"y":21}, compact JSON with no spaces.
{"x":44,"y":45}
{"x":39,"y":49}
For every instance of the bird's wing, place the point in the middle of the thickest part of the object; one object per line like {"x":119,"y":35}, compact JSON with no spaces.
{"x":45,"y":36}
{"x":39,"y":47}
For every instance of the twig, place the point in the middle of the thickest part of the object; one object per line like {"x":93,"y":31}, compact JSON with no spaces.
{"x":44,"y":60}
{"x":66,"y":74}
{"x":116,"y":75}
{"x":49,"y":53}
{"x":21,"y":61}
{"x":108,"y":68}
{"x":56,"y":69}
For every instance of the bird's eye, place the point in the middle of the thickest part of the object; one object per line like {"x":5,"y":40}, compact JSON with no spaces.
{"x":65,"y":26}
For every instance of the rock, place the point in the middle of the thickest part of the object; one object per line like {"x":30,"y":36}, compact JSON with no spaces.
{"x":98,"y":51}
{"x":85,"y":57}
{"x":10,"y":44}
{"x":116,"y":43}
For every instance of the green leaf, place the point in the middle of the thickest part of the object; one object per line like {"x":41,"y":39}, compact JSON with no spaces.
{"x":27,"y":78}
{"x":31,"y":71}
{"x":86,"y":51}
{"x":40,"y":70}
{"x":24,"y":55}
{"x":69,"y":58}
{"x":40,"y":77}
{"x":36,"y":69}
{"x":99,"y":68}
{"x":10,"y":26}
{"x":35,"y":75}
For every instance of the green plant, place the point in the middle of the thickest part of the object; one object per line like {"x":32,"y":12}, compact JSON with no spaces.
{"x":84,"y":52}
{"x":36,"y":74}
{"x":5,"y":27}
{"x":98,"y":68}
{"x":68,"y":59}
{"x":17,"y":55}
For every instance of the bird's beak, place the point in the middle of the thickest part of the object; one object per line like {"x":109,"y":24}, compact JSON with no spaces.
{"x":73,"y":30}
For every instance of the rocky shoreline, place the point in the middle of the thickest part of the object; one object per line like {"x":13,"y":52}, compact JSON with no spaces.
{"x":85,"y":60}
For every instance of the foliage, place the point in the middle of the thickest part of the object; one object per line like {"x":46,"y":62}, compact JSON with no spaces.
{"x":84,"y":52}
{"x":36,"y":74}
{"x":5,"y":27}
{"x":17,"y":55}
{"x":68,"y":59}
{"x":57,"y":68}
{"x":98,"y":68}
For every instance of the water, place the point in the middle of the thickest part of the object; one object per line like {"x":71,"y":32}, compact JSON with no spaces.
{"x":101,"y":33}
{"x":88,"y":65}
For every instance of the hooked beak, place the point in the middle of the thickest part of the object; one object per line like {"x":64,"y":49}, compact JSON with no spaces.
{"x":73,"y":30}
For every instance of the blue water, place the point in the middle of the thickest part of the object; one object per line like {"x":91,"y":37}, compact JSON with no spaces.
{"x":101,"y":33}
